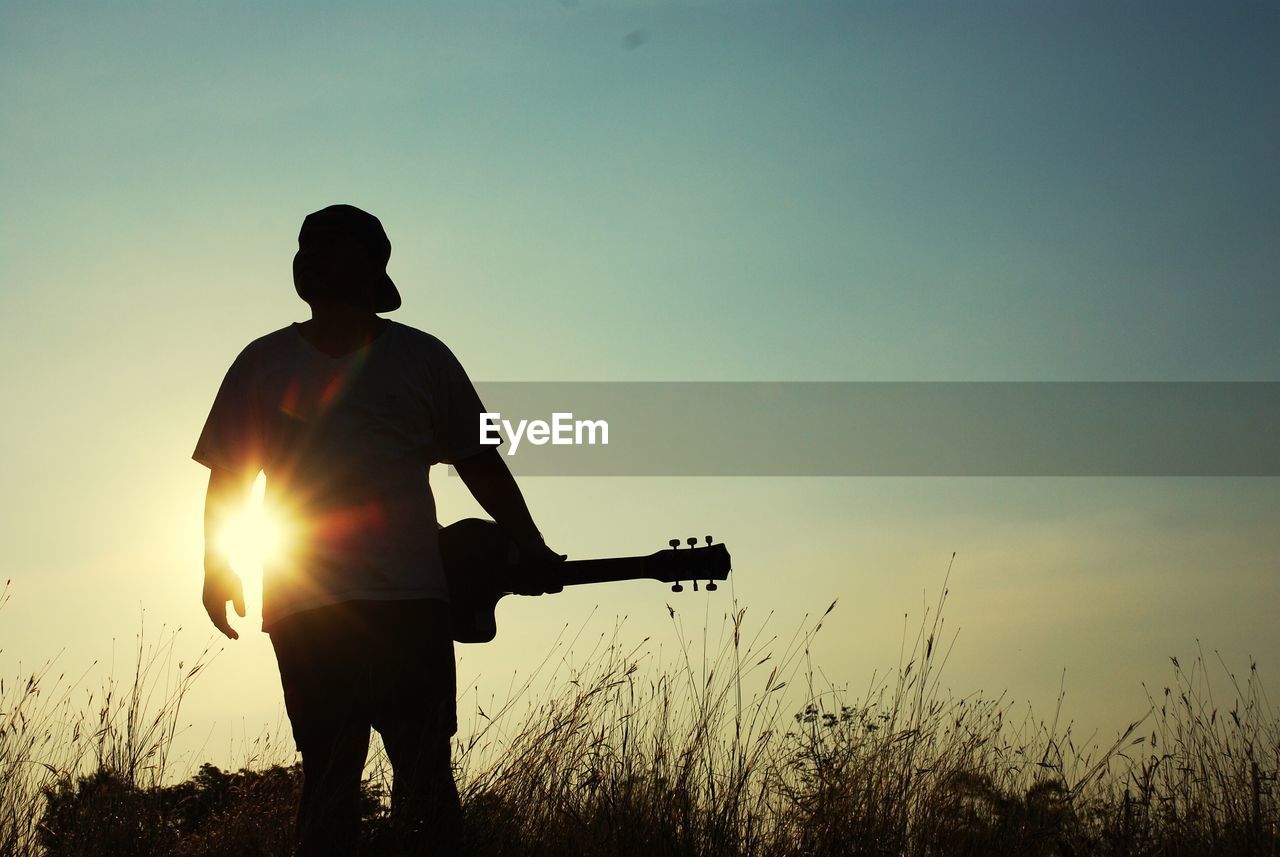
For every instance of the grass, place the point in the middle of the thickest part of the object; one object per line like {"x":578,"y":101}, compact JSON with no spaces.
{"x":724,"y":749}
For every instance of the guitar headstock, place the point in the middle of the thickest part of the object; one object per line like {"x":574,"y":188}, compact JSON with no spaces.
{"x":709,"y":562}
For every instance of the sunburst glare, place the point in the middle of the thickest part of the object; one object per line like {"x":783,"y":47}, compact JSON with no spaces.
{"x":254,"y":536}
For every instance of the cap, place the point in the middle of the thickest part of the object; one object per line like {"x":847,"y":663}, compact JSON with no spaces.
{"x":349,"y":222}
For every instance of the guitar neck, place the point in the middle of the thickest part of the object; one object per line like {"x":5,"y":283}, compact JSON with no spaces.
{"x":607,"y":570}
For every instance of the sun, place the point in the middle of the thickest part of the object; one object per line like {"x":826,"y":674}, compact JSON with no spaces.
{"x":254,"y":536}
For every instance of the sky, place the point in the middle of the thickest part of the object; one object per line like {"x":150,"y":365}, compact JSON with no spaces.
{"x":657,"y":191}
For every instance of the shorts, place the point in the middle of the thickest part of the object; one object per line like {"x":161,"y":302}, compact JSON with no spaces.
{"x":385,"y":664}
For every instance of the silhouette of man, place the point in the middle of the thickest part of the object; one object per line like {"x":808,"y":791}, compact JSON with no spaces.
{"x":345,"y":414}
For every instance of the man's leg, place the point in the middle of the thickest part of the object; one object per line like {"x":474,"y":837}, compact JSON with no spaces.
{"x":329,"y":812}
{"x":416,"y":715}
{"x":426,"y":815}
{"x":319,"y":653}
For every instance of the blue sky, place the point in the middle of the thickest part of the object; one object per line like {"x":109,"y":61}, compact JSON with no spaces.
{"x":659,"y":191}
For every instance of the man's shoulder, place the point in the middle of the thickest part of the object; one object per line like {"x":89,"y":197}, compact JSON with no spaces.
{"x":276,"y":340}
{"x":266,"y":349}
{"x":421,"y":341}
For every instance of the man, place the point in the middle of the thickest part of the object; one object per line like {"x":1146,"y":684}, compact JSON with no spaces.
{"x":345,"y":414}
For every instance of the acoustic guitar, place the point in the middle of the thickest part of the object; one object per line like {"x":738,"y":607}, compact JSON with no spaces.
{"x":476,"y":552}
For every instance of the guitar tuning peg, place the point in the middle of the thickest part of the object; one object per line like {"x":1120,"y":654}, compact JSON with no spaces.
{"x":676,"y":587}
{"x":695,"y":586}
{"x":711,"y":586}
{"x":675,"y":543}
{"x":708,"y":539}
{"x":691,"y":541}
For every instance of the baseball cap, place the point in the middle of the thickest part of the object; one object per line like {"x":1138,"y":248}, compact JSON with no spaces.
{"x":338,"y":222}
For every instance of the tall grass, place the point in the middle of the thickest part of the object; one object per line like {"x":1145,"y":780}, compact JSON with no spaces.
{"x":731,"y":747}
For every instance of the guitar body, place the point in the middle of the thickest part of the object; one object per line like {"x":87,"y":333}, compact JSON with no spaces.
{"x":477,"y":563}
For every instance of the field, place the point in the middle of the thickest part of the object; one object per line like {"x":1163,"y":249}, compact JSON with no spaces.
{"x":710,"y":756}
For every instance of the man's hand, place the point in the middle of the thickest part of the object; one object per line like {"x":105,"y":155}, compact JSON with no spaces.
{"x":226,"y":496}
{"x":220,"y":586}
{"x":540,"y":574}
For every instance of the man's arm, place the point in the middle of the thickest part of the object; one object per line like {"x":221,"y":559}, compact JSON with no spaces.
{"x":225,"y":498}
{"x":489,"y":480}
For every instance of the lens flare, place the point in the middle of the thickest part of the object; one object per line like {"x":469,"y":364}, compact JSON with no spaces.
{"x":253,"y":537}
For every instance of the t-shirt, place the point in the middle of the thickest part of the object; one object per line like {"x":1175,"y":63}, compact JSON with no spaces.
{"x":346,"y":444}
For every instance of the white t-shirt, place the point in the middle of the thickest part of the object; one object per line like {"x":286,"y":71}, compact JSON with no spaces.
{"x":346,"y":443}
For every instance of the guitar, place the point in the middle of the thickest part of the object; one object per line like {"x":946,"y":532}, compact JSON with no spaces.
{"x":475,"y":556}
